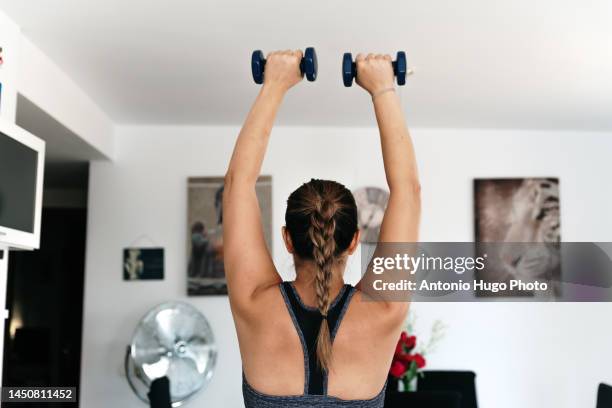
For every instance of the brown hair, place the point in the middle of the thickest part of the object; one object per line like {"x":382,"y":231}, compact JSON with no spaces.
{"x":321,"y":219}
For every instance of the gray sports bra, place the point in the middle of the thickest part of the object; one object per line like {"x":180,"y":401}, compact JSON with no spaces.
{"x":307,"y":321}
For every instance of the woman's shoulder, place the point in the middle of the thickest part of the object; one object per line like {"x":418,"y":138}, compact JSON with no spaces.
{"x":264,"y":301}
{"x":378,"y":312}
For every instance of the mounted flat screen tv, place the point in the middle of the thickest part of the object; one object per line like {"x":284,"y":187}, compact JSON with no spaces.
{"x":22,"y":157}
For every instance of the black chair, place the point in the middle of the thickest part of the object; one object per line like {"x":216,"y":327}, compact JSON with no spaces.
{"x":462,"y":382}
{"x":604,"y":396}
{"x":423,"y":399}
{"x":159,"y":393}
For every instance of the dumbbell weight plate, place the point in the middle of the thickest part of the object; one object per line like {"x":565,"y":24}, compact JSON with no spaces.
{"x":400,"y":68}
{"x":348,"y":69}
{"x":258,"y":62}
{"x":309,"y":64}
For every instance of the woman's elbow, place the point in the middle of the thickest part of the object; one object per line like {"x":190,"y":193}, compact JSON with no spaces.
{"x":233,"y":178}
{"x":228,"y":179}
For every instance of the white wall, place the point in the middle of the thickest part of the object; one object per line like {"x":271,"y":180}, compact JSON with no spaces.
{"x":43,"y":83}
{"x":33,"y":74}
{"x":10,"y":42}
{"x":525,"y":355}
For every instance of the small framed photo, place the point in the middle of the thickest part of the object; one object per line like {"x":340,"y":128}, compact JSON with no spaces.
{"x":143,"y":264}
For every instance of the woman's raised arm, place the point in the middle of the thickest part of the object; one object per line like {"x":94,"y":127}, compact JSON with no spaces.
{"x":401,"y":220}
{"x":248,"y":264}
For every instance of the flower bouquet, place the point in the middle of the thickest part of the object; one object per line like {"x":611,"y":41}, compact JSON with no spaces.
{"x":408,"y":360}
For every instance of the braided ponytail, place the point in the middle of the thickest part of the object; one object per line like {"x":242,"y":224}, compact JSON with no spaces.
{"x":321,"y":218}
{"x":321,"y":232}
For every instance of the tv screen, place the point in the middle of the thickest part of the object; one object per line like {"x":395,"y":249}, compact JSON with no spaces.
{"x":18,"y":165}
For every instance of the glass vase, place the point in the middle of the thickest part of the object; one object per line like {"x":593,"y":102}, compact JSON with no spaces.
{"x":408,"y":384}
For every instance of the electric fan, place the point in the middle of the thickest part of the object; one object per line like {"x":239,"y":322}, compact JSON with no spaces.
{"x":173,"y":340}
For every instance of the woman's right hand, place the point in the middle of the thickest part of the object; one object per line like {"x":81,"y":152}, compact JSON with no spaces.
{"x":374,"y":72}
{"x":282,"y":69}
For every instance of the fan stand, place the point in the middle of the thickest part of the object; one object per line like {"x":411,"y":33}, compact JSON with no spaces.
{"x":159,"y":389}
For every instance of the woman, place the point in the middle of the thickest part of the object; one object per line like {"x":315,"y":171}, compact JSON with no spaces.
{"x":314,"y":341}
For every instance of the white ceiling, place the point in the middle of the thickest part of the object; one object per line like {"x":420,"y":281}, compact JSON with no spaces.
{"x":480,"y":63}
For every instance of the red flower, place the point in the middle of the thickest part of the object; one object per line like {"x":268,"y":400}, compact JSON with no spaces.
{"x":410,"y":342}
{"x":397,"y":369}
{"x":399,"y":349}
{"x":404,"y":358}
{"x":405,"y":344}
{"x":418,"y":359}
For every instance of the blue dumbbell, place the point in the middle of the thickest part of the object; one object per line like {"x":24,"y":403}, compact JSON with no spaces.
{"x":349,"y":68}
{"x":308,"y":65}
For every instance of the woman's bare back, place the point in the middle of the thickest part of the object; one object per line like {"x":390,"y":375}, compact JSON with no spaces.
{"x":273,"y":357}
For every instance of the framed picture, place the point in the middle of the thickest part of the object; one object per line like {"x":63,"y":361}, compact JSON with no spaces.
{"x":522,"y":217}
{"x":143,"y":264}
{"x":205,"y":272}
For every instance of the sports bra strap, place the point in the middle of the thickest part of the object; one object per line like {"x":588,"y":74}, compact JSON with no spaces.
{"x":307,"y":322}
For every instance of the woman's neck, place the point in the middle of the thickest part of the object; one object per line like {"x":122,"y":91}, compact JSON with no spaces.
{"x":305,"y":280}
